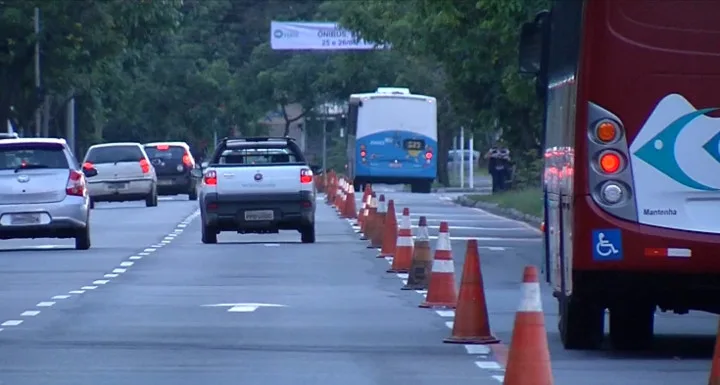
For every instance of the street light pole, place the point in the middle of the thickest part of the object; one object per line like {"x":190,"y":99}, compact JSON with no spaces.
{"x":38,"y":112}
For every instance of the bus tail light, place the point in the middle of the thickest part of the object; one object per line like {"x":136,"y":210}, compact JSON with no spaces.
{"x":606,"y":131}
{"x":610,"y":162}
{"x":363,"y":154}
{"x":612,"y":193}
{"x":428,"y":155}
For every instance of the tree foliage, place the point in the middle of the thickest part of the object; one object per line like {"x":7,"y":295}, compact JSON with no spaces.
{"x":185,"y":70}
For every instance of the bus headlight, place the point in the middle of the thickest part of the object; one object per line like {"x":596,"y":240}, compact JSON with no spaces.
{"x":612,"y":193}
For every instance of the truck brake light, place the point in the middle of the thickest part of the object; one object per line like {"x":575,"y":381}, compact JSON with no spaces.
{"x":306,"y":176}
{"x":210,"y":178}
{"x":606,"y":131}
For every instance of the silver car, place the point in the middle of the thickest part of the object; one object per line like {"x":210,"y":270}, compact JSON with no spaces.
{"x":43,"y":191}
{"x":124,"y":173}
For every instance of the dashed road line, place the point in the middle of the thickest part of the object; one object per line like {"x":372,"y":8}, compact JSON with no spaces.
{"x":116,"y":272}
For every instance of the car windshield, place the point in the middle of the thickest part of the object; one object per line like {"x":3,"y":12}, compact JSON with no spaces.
{"x":32,"y":155}
{"x":165,"y":152}
{"x":257,"y":155}
{"x":114,"y":154}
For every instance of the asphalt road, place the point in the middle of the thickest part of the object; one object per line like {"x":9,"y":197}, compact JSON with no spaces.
{"x":150,"y":304}
{"x":684,"y":343}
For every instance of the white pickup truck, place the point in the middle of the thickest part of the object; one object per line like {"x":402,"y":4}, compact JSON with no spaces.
{"x":257,"y":185}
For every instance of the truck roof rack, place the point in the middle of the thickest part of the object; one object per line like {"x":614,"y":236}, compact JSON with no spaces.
{"x":257,"y":138}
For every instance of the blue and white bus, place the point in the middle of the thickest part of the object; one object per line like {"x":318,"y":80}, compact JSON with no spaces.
{"x":392,"y":139}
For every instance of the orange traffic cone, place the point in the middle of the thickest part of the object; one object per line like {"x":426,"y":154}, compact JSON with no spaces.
{"x":379,"y":224}
{"x":330,"y":194}
{"x":715,"y":366}
{"x":365,"y":216}
{"x":390,"y":230}
{"x":441,"y":290}
{"x":349,"y":211}
{"x":369,"y":218}
{"x":403,"y":256}
{"x":528,"y":356}
{"x":361,"y":212}
{"x":421,"y":265}
{"x":472,"y":325}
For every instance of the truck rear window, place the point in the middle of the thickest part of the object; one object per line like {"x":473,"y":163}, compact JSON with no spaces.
{"x":114,"y":154}
{"x":36,"y":155}
{"x":258,"y":155}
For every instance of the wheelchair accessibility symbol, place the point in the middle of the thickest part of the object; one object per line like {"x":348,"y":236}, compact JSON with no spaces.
{"x":607,"y":245}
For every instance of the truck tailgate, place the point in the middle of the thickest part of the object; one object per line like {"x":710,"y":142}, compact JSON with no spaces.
{"x":259,"y":180}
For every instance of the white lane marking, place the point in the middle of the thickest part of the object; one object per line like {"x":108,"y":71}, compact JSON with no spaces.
{"x":272,"y":245}
{"x":445,"y":313}
{"x":488,"y":365}
{"x":501,"y":379}
{"x":242,"y":309}
{"x":477,"y":349}
{"x":143,"y":254}
{"x":111,"y":275}
{"x":449,"y":324}
{"x":421,"y":291}
{"x":45,"y":304}
{"x":182,"y":225}
{"x":135,"y":257}
{"x":1,"y":329}
{"x":149,"y":250}
{"x":30,"y":313}
{"x":521,"y":223}
{"x":89,"y":287}
{"x":453,"y":227}
{"x":164,"y":242}
{"x":76,"y":291}
{"x":60,"y":297}
{"x":127,"y":264}
{"x":119,"y":271}
{"x":101,"y":282}
{"x":12,"y":322}
{"x":402,"y":275}
{"x":491,"y":239}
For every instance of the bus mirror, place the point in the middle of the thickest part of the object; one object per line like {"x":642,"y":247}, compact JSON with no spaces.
{"x":530,"y":50}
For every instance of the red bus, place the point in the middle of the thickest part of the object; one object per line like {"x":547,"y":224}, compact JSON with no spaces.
{"x":631,"y":90}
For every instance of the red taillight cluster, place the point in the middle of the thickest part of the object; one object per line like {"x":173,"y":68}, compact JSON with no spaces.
{"x":145,"y":166}
{"x":76,"y":184}
{"x":186,"y":160}
{"x":306,"y":176}
{"x":210,"y":178}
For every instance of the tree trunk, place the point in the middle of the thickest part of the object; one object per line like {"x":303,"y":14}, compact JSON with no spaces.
{"x":444,"y":143}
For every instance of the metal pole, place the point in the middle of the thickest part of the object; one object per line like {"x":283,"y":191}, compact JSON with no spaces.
{"x":462,"y":157}
{"x":324,"y":146}
{"x":38,"y":113}
{"x":471,"y":162}
{"x":70,"y":124}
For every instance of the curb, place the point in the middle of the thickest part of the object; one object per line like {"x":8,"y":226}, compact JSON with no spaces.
{"x":493,"y":208}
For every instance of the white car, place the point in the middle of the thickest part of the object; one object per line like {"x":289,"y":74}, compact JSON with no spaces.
{"x":124,"y":173}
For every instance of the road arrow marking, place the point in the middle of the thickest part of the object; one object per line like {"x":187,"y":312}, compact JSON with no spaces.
{"x":244,"y":307}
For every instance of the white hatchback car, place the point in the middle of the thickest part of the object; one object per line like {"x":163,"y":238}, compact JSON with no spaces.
{"x":124,"y":173}
{"x":43,"y":191}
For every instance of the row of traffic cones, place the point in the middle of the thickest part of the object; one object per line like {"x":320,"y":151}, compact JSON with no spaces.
{"x":528,"y":359}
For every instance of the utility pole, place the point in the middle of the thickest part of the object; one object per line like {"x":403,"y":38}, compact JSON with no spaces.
{"x":38,"y":113}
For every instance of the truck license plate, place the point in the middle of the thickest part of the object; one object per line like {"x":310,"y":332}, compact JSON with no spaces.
{"x":259,"y":215}
{"x":25,"y":219}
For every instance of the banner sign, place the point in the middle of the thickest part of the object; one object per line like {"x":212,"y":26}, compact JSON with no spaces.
{"x":291,"y":35}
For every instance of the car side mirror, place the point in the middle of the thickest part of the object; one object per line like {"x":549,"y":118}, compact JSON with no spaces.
{"x":196,"y":173}
{"x":90,"y":172}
